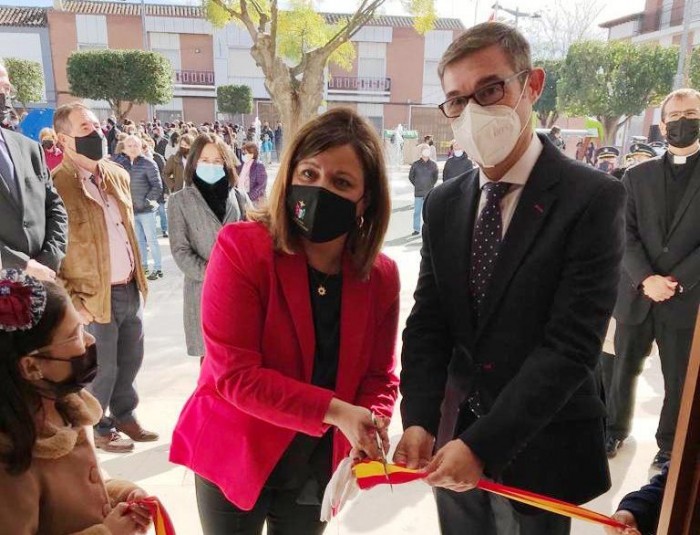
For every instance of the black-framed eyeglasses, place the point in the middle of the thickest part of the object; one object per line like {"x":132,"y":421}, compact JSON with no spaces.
{"x":486,"y":96}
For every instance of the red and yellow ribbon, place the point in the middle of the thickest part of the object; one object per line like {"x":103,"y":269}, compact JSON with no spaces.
{"x":371,"y":473}
{"x":161,"y":520}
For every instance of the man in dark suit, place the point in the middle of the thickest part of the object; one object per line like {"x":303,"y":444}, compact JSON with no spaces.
{"x":34,"y":221}
{"x":659,"y":292}
{"x":519,"y":271}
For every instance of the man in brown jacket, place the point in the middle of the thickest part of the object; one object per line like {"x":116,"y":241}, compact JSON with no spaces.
{"x":174,"y":172}
{"x":102,"y":270}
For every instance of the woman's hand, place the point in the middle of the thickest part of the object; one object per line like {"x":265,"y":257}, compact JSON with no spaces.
{"x":358,"y":426}
{"x":124,"y":520}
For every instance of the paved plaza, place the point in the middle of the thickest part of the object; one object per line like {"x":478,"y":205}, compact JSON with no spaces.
{"x":169,"y":376}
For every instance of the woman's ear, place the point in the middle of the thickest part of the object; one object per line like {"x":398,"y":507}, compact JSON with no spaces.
{"x":29,"y":369}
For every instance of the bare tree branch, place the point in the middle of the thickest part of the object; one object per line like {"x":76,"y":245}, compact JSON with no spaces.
{"x":274,"y":15}
{"x":264,"y":18}
{"x":243,"y":16}
{"x":354,"y":24}
{"x":229,"y":10}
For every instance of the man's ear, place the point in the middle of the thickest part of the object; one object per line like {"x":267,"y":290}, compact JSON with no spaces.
{"x":61,"y":140}
{"x":536,"y":82}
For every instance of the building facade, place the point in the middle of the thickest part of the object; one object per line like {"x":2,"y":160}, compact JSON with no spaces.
{"x":24,"y":34}
{"x":661,"y":23}
{"x":393,"y":79}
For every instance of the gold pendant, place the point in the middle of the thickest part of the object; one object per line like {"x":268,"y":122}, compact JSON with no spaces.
{"x":321,"y":290}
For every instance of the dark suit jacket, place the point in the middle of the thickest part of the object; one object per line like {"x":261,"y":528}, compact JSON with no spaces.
{"x":37,"y":227}
{"x":533,"y":354}
{"x":654,"y":249}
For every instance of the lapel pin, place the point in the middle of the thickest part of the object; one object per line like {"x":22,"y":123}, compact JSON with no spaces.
{"x":539,"y":208}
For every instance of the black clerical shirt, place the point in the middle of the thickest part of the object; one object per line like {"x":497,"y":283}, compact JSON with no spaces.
{"x":677,"y":177}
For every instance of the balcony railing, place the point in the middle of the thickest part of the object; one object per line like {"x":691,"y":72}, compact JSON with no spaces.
{"x":194,"y":77}
{"x":353,"y":83}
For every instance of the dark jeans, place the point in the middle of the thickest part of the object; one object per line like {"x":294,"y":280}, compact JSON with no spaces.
{"x":119,"y":357}
{"x":482,"y":513}
{"x":632,"y":346}
{"x":279,"y":508}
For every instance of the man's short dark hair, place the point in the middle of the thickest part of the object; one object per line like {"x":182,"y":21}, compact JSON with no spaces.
{"x":512,"y":42}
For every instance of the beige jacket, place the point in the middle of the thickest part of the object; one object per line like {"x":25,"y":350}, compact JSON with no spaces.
{"x":63,"y":491}
{"x":85,"y":271}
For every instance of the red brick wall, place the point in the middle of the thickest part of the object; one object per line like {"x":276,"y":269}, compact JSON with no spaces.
{"x":404,"y":65}
{"x":198,"y":109}
{"x":651,"y":19}
{"x":124,"y":32}
{"x":63,"y":38}
{"x":193,"y":60}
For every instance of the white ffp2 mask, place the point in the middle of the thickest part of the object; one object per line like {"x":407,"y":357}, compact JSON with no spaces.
{"x":488,"y":133}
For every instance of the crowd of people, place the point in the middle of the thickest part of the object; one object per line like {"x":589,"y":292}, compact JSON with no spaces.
{"x":294,"y":310}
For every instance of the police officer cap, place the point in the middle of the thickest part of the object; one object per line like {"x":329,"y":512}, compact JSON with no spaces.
{"x":607,"y":152}
{"x":642,"y":148}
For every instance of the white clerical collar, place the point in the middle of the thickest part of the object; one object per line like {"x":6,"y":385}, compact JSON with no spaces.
{"x":681,"y":160}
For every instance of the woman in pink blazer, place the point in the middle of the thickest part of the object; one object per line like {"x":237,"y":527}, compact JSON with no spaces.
{"x":299,"y":312}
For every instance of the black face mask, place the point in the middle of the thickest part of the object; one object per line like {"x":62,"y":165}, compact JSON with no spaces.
{"x":83,"y":371}
{"x":683,"y":132}
{"x":47,"y":144}
{"x":319,"y":214}
{"x":90,"y":146}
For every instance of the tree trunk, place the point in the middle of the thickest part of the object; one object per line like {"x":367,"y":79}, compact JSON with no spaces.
{"x":553,"y":116}
{"x":610,"y":127}
{"x":296,"y":100}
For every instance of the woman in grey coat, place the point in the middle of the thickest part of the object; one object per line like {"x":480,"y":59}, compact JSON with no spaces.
{"x":196,"y":213}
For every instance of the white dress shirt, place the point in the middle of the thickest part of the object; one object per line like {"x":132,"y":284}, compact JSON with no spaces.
{"x":517,"y":176}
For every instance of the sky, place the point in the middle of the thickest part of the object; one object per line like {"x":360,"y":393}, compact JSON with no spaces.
{"x":463,"y":9}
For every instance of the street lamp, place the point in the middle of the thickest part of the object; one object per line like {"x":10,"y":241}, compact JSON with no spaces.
{"x":515,"y":12}
{"x":145,"y":45}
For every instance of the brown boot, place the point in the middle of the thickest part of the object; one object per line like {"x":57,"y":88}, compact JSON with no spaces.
{"x":136,"y":432}
{"x":113,"y":443}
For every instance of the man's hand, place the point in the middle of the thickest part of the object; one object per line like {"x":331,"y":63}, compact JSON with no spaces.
{"x":658,"y":288}
{"x":40,"y":271}
{"x":626,"y":518}
{"x":455,"y":467}
{"x":415,"y":448}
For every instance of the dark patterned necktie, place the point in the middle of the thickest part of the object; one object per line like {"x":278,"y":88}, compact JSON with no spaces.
{"x":486,"y":242}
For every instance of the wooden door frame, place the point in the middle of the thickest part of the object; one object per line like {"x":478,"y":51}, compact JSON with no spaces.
{"x":680,"y":512}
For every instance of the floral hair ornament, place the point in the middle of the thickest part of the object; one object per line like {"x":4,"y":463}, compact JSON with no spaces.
{"x":22,"y":300}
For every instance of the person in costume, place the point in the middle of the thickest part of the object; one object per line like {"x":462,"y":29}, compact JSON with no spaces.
{"x":50,"y":479}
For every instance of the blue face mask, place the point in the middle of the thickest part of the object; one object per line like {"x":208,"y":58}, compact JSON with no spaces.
{"x":210,"y":173}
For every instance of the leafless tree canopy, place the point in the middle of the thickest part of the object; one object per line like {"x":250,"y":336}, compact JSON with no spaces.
{"x":562,"y":23}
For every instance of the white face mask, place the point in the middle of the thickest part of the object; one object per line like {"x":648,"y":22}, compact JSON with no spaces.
{"x":459,"y":153}
{"x":245,"y":157}
{"x":489,"y":133}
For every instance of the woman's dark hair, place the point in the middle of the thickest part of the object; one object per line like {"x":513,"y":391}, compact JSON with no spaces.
{"x":252,"y":148}
{"x":19,"y":402}
{"x":196,"y":149}
{"x":174,"y":139}
{"x":335,"y":128}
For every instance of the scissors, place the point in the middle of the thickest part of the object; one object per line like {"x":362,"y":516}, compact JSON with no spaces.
{"x":380,"y":447}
